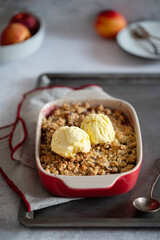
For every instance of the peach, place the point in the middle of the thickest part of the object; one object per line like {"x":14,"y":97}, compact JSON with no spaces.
{"x":27,"y":19}
{"x":109,"y":23}
{"x":14,"y":33}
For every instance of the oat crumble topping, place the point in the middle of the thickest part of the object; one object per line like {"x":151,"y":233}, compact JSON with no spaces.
{"x":116,"y":157}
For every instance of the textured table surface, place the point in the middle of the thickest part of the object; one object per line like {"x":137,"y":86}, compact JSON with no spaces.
{"x":70,"y":45}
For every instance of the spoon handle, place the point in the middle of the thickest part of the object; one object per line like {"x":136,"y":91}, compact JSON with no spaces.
{"x":156,"y":176}
{"x":155,"y":48}
{"x":155,"y":37}
{"x":146,"y":33}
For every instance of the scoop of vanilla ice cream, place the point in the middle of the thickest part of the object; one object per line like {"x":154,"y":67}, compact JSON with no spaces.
{"x":67,"y":141}
{"x":99,"y":128}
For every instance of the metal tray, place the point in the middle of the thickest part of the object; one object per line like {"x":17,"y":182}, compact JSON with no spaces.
{"x":143,"y":92}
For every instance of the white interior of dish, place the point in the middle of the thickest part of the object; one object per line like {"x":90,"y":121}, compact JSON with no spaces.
{"x":93,"y":182}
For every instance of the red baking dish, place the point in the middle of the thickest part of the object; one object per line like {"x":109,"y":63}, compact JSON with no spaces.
{"x":90,"y":186}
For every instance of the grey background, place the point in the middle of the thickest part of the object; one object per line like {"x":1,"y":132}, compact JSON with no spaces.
{"x":86,"y":10}
{"x":132,"y":10}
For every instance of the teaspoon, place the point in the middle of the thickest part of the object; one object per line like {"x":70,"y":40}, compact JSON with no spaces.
{"x":148,"y":204}
{"x":137,"y":33}
{"x":145,"y":33}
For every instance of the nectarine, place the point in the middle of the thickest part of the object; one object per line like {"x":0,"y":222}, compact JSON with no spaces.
{"x":27,"y":19}
{"x":109,"y":23}
{"x":14,"y":33}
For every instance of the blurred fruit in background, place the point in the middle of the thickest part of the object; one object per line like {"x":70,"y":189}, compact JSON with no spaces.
{"x":14,"y":33}
{"x":109,"y":22}
{"x":27,"y":19}
{"x":21,"y":27}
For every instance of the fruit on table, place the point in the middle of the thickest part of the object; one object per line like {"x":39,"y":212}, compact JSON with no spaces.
{"x":109,"y":23}
{"x":14,"y":33}
{"x":27,"y":19}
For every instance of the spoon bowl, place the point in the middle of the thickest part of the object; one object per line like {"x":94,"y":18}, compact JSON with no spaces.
{"x":143,"y":32}
{"x":146,"y":204}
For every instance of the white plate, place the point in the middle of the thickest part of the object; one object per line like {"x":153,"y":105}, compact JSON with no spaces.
{"x":17,"y":51}
{"x":139,"y":47}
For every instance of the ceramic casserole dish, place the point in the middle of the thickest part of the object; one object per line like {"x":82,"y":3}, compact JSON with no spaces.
{"x":90,"y":186}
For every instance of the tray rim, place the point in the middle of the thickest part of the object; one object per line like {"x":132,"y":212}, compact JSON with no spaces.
{"x":28,"y":220}
{"x":110,"y":77}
